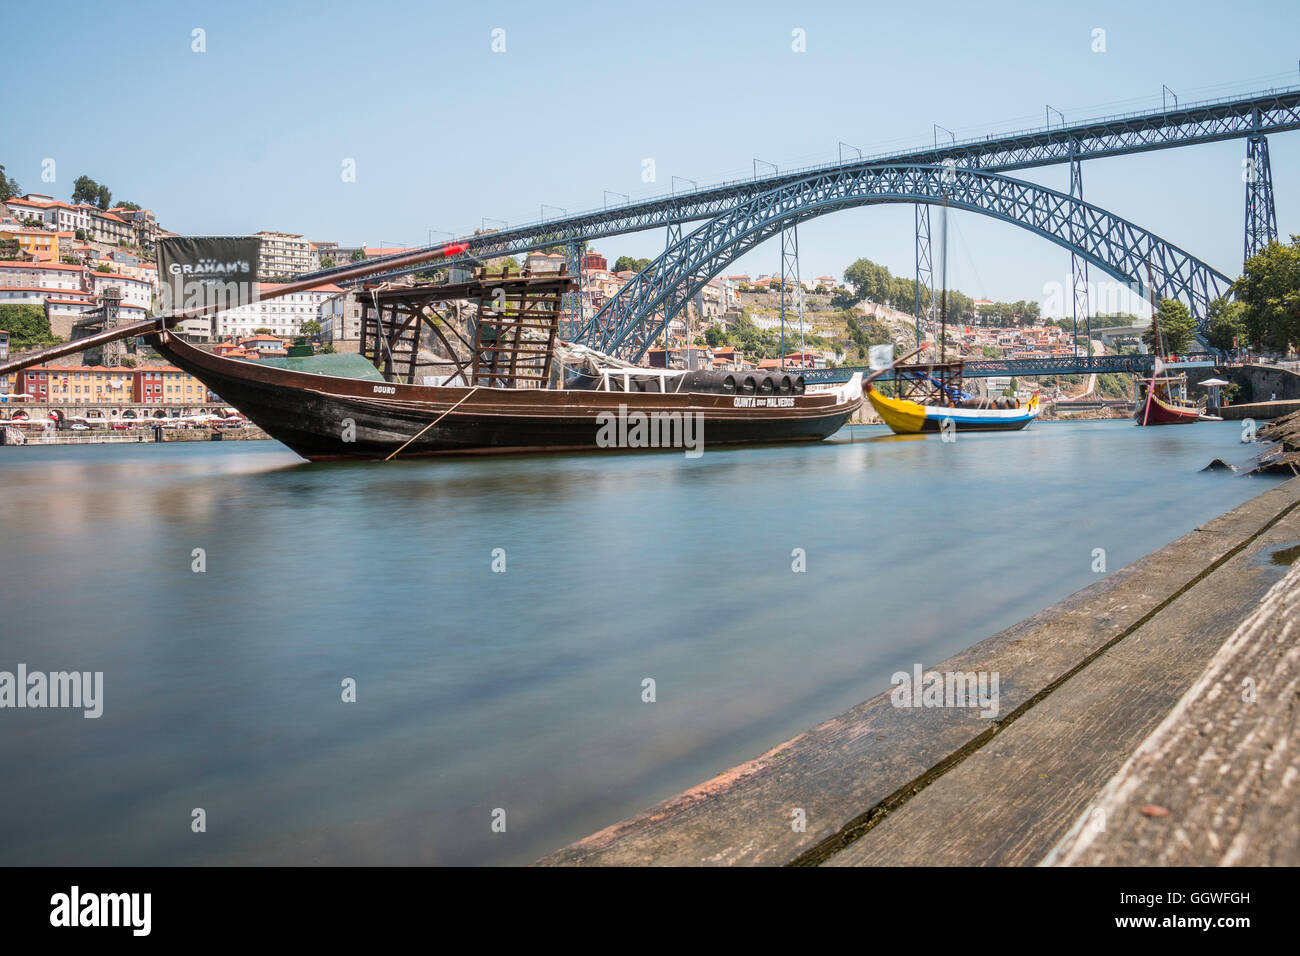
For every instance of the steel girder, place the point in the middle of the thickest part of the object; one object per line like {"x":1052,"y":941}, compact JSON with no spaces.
{"x":924,"y":267}
{"x":1117,"y":247}
{"x":791,"y":279}
{"x":1138,"y":364}
{"x":573,"y":301}
{"x":1078,"y":266}
{"x":1256,"y":114}
{"x":1261,"y":216}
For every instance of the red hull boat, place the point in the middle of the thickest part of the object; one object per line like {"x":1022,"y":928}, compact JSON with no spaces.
{"x":1156,"y":411}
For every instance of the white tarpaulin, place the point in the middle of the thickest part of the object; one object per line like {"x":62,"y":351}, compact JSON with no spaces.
{"x":881,"y":356}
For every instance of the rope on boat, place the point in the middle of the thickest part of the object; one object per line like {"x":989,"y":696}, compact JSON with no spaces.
{"x":432,"y":423}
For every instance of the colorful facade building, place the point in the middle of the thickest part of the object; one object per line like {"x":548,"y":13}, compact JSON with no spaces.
{"x":101,"y":385}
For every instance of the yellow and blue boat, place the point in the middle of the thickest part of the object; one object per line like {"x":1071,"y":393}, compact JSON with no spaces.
{"x":906,"y":417}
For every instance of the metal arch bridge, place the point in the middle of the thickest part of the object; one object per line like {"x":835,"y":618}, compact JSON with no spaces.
{"x":1251,"y":116}
{"x":630,"y":320}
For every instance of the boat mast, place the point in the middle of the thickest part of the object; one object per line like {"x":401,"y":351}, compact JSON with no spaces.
{"x":943,"y":297}
{"x":1155,"y":344}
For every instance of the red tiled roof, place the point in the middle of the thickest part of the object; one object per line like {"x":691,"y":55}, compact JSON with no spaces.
{"x":37,"y":288}
{"x":325,"y":287}
{"x":5,"y":263}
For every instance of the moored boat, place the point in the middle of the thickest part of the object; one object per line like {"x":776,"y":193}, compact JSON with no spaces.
{"x":1155,"y":410}
{"x":905,"y":416}
{"x":504,"y":393}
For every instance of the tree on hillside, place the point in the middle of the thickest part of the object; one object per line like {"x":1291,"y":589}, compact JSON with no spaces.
{"x":9,"y":187}
{"x":629,"y":264}
{"x":1177,"y":327}
{"x":126,"y":204}
{"x":871,"y":282}
{"x":1269,"y":290}
{"x":902,"y":295}
{"x":27,"y":326}
{"x":1225,"y":326}
{"x":103,"y":198}
{"x":85,"y":189}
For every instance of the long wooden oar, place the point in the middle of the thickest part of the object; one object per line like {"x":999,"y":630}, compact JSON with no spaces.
{"x":161,"y":322}
{"x":875,"y":375}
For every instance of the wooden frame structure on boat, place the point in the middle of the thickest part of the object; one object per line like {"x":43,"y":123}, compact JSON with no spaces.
{"x":513,"y":328}
{"x":941,"y":377}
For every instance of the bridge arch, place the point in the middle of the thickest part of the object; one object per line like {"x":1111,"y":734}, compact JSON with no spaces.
{"x":631,"y":320}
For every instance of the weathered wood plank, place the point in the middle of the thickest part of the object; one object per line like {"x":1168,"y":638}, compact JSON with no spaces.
{"x":1014,"y":799}
{"x":1224,"y":763}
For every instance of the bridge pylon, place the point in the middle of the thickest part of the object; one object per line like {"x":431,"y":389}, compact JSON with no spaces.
{"x":573,"y":301}
{"x":1079,"y":265}
{"x":1261,"y":216}
{"x":672,"y":236}
{"x":924,"y":266}
{"x":790,"y":278}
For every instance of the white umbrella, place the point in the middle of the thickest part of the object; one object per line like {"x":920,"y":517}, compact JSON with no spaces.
{"x":1213,"y":383}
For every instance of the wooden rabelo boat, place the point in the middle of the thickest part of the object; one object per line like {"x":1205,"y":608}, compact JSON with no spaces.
{"x":1162,"y":404}
{"x":503,"y":389}
{"x":471,"y":368}
{"x":1165,"y":401}
{"x":932,"y":396}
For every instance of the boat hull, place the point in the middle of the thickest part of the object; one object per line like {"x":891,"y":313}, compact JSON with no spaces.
{"x":909,"y":418}
{"x":1154,"y":411}
{"x":325,"y":418}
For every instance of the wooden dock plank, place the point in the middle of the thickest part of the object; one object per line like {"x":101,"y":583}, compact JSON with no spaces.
{"x":1013,"y":800}
{"x":1224,"y":763}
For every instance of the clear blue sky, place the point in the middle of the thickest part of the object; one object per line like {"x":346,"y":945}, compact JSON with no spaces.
{"x":251,"y":134}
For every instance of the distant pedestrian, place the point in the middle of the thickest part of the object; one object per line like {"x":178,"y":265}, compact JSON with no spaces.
{"x":1273,"y":397}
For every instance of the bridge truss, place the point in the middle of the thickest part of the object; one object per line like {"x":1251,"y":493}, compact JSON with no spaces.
{"x":1251,"y":117}
{"x":632,"y":318}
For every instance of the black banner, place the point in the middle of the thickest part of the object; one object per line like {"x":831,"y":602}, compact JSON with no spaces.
{"x":928,"y":908}
{"x":207,"y":271}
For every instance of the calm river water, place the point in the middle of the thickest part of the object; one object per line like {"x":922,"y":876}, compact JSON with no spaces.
{"x":519,"y":690}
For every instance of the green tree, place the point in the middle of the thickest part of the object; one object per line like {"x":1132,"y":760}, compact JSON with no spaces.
{"x":9,"y":187}
{"x":326,"y":262}
{"x":85,"y":189}
{"x":133,"y":207}
{"x":27,"y":326}
{"x":357,"y":255}
{"x":1177,"y":327}
{"x":1269,"y":290}
{"x":630,"y":264}
{"x":103,"y":198}
{"x":870,"y":281}
{"x":310,"y":327}
{"x":262,"y":330}
{"x":1225,"y":323}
